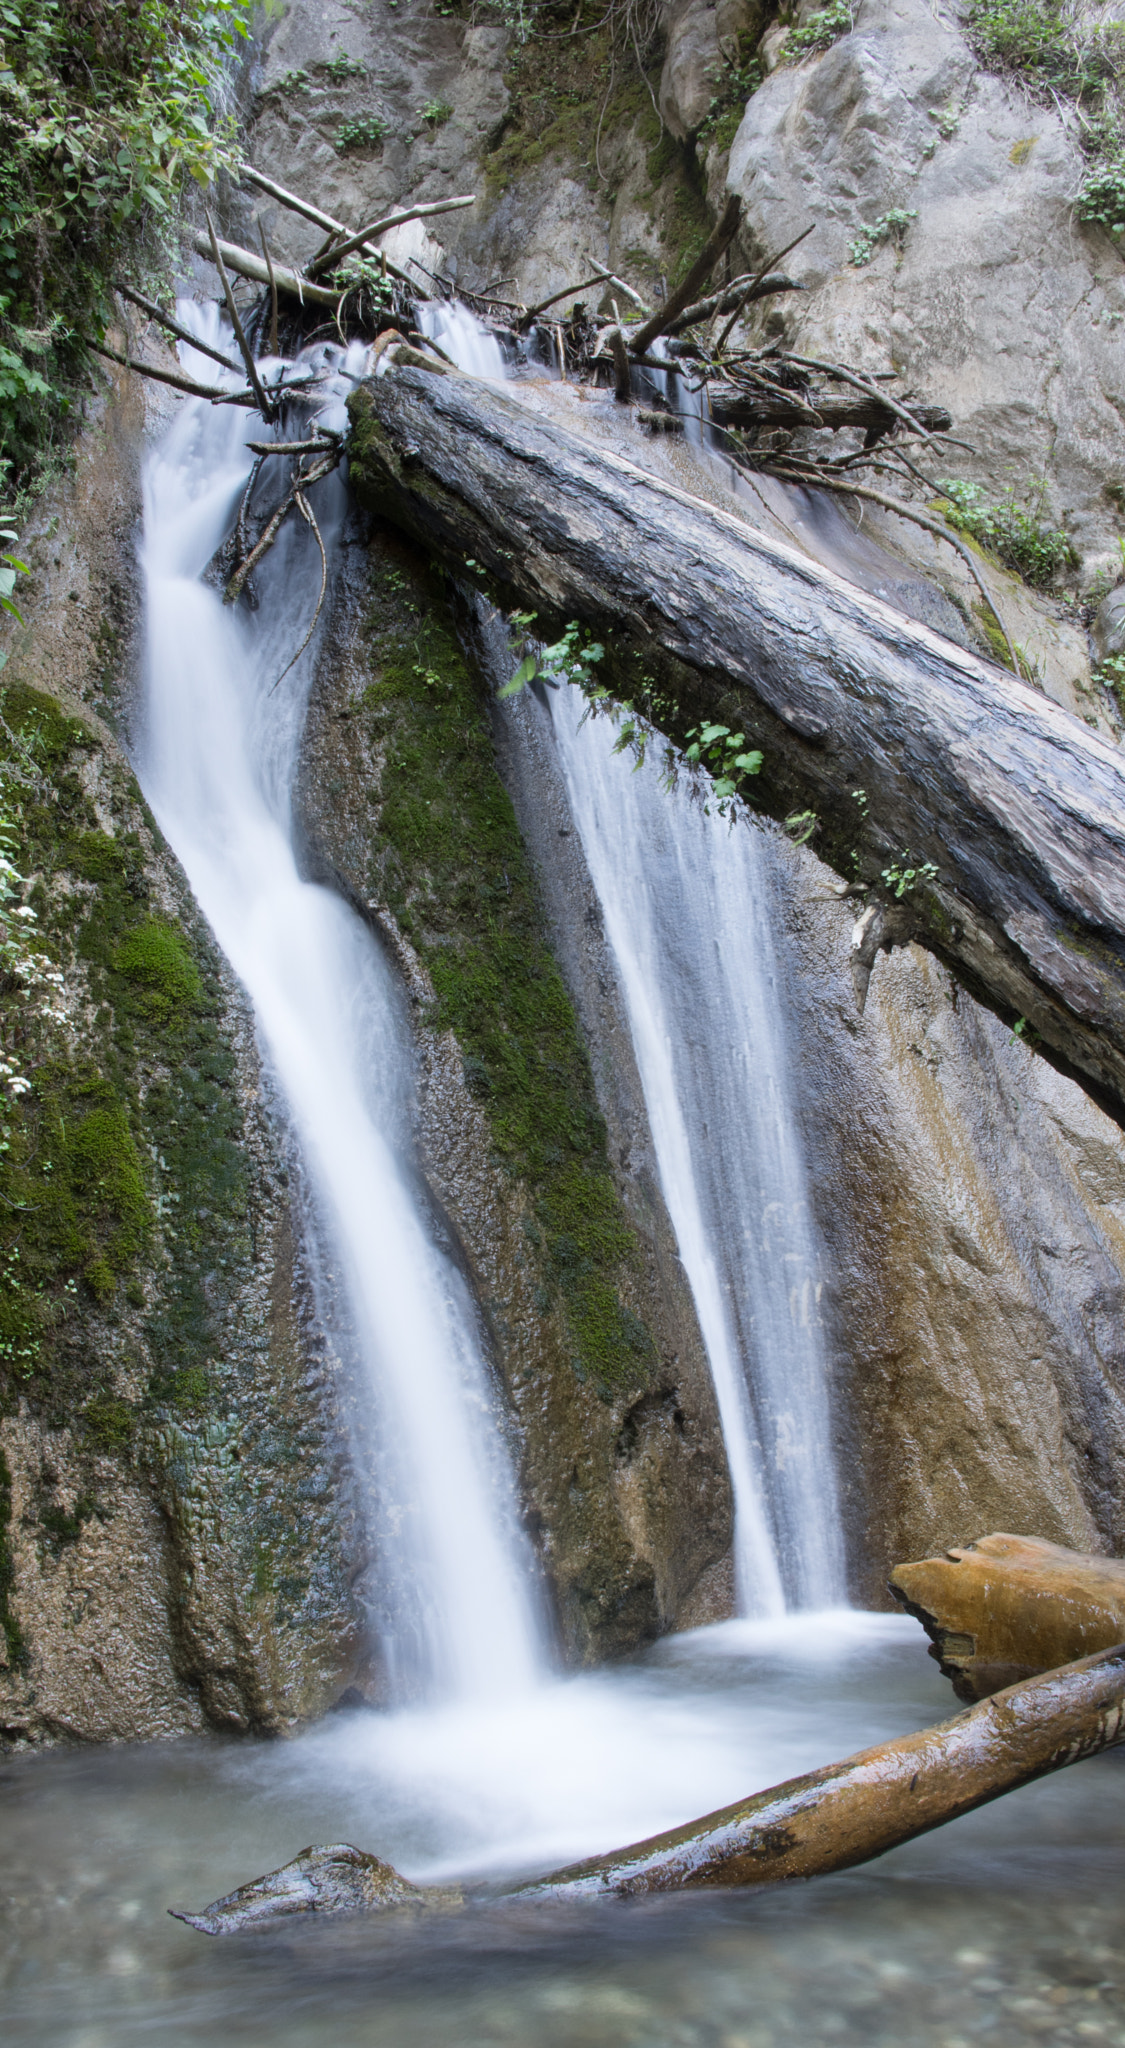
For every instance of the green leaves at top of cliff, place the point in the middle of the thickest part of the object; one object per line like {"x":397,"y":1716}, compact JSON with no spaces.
{"x":1060,"y":49}
{"x":106,"y":107}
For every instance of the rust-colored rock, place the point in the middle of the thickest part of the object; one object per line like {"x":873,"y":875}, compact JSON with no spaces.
{"x":1006,"y":1607}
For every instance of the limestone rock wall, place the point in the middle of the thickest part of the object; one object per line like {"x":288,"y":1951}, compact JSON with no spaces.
{"x":972,"y":1206}
{"x":998,"y":304}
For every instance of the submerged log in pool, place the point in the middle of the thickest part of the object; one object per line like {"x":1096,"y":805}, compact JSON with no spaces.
{"x":830,"y":1819}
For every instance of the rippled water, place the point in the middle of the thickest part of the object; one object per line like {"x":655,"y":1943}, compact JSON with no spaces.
{"x":1004,"y":1927}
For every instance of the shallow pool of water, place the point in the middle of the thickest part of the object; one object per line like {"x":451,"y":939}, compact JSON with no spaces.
{"x":1003,"y":1928}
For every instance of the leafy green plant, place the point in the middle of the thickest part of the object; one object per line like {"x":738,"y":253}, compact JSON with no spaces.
{"x":890,"y":227}
{"x":1016,"y":534}
{"x":10,"y":568}
{"x":1111,"y":675}
{"x":1053,"y":46}
{"x":569,"y":660}
{"x":363,"y":131}
{"x":292,"y":82}
{"x":723,"y":753}
{"x":1102,"y":198}
{"x":342,"y":67}
{"x":819,"y":32}
{"x":435,"y":113}
{"x":734,"y":85}
{"x":105,"y":110}
{"x":902,"y":878}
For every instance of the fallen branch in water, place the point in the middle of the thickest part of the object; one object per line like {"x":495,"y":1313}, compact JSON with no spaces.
{"x":827,"y":1820}
{"x":266,"y":406}
{"x":269,"y":534}
{"x":157,"y":313}
{"x":332,"y":258}
{"x":247,"y":265}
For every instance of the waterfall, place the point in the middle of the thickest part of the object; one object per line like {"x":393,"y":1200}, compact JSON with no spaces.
{"x":217,"y":759}
{"x":689,"y":904}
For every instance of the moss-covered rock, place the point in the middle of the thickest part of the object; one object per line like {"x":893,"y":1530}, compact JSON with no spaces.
{"x":404,"y":807}
{"x":156,"y":1431}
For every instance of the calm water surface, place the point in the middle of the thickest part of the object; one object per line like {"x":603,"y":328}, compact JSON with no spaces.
{"x":1003,"y":1928}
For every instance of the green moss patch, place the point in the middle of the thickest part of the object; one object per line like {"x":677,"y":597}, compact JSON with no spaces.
{"x":451,"y":864}
{"x":122,"y":1198}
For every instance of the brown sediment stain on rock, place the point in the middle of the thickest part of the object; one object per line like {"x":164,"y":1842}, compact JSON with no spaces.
{"x":622,"y":1467}
{"x":1005,"y":1607}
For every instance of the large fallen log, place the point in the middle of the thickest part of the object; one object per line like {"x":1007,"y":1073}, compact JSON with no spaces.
{"x":828,"y":1820}
{"x":1005,"y":1607}
{"x":988,"y":823}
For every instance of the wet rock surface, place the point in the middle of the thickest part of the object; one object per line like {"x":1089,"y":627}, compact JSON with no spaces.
{"x":972,"y":1204}
{"x":625,"y":1482}
{"x":998,"y":303}
{"x":1006,"y":1606}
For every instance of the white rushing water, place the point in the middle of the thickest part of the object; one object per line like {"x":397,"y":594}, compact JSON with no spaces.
{"x":689,"y":907}
{"x":217,"y":761}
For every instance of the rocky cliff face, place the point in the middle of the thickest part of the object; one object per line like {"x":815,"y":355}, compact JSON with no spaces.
{"x":180,"y":1534}
{"x":176,"y":1536}
{"x":996,"y":301}
{"x":969,"y":1199}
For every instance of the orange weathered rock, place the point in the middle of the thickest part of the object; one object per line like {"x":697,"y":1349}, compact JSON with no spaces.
{"x":1006,"y":1607}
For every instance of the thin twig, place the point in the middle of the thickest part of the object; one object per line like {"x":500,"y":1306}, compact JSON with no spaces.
{"x":274,"y":350}
{"x":234,"y":588}
{"x":244,"y":508}
{"x":155,"y":312}
{"x":755,"y":281}
{"x":306,"y":511}
{"x":902,"y":511}
{"x":266,"y":409}
{"x":863,"y":384}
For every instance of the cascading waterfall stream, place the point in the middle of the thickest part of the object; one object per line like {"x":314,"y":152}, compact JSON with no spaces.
{"x":217,"y":761}
{"x":687,"y":902}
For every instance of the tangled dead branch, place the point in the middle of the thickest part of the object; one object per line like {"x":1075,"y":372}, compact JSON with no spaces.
{"x":767,"y":408}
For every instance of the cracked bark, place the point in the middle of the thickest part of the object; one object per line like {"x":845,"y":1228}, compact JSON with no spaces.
{"x":1018,"y":806}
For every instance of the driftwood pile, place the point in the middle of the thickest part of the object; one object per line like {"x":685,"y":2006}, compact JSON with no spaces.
{"x":768,"y":408}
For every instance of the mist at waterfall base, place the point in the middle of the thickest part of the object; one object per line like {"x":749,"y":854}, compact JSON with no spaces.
{"x":492,"y":1763}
